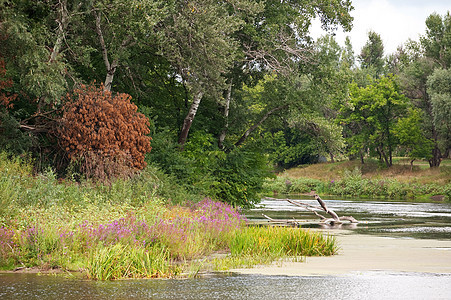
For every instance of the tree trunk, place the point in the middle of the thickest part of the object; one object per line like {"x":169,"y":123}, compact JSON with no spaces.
{"x":189,"y":119}
{"x":62,"y":25}
{"x":110,"y":68}
{"x":435,"y":161}
{"x":332,"y":159}
{"x":411,"y":164}
{"x":335,"y":220}
{"x":222,"y":135}
{"x":110,"y":75}
{"x":255,"y":126}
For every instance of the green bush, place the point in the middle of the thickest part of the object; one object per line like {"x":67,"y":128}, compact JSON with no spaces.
{"x":234,"y":176}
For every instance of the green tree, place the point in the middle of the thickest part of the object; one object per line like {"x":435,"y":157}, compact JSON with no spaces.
{"x":439,"y":88}
{"x":437,"y":40}
{"x":409,"y":132}
{"x":375,"y":110}
{"x":371,"y":56}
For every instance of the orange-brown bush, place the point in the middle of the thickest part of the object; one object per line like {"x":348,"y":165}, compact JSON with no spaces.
{"x":104,"y":132}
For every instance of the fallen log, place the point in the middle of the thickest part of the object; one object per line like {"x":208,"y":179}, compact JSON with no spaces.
{"x":335,"y":220}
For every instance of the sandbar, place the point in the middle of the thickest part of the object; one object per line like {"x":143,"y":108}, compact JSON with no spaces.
{"x":360,"y":253}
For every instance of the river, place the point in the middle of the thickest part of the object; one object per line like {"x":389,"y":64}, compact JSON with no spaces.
{"x":400,"y":250}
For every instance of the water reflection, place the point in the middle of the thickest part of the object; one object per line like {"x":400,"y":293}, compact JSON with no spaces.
{"x":372,"y":285}
{"x":394,"y":218}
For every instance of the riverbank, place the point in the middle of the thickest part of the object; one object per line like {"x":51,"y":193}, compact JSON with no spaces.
{"x":366,"y":253}
{"x":369,"y":180}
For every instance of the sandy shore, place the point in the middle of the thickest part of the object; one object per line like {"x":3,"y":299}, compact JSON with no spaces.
{"x":362,"y":253}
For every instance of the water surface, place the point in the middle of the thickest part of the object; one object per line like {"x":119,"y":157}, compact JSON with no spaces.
{"x":385,"y":218}
{"x":375,"y":285}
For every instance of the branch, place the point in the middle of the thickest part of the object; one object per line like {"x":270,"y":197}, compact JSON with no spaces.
{"x":289,"y":222}
{"x":33,"y":129}
{"x":255,"y":126}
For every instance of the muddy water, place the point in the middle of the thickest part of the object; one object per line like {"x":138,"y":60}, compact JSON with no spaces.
{"x":400,"y":250}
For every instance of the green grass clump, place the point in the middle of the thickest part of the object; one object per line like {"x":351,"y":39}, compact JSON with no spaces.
{"x":272,"y":243}
{"x":122,"y":261}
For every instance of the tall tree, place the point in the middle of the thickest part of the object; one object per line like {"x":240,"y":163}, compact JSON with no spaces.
{"x":277,"y":40}
{"x":437,"y":40}
{"x":439,"y":88}
{"x":375,"y":110}
{"x":371,"y":56}
{"x":120,"y":24}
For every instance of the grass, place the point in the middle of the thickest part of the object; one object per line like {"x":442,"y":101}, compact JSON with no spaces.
{"x":351,"y":178}
{"x":128,"y":230}
{"x":400,"y":171}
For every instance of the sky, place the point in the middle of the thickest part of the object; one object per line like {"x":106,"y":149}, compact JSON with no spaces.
{"x":394,"y":20}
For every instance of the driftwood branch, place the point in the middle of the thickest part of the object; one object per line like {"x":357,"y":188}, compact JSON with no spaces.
{"x":335,"y":220}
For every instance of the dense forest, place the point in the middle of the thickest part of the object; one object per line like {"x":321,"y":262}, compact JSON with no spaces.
{"x":216,"y":94}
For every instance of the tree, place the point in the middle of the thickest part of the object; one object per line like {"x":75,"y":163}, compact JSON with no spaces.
{"x":197,"y":40}
{"x":104,"y":132}
{"x":439,"y":88}
{"x":119,"y":25}
{"x":372,"y":54}
{"x":409,"y":132}
{"x":415,"y":64}
{"x":375,"y":110}
{"x":437,"y":40}
{"x":31,"y":50}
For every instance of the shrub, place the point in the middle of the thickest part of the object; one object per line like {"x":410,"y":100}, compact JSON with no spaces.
{"x":103,"y":133}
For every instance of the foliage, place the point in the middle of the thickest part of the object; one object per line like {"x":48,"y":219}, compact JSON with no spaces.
{"x":105,"y":131}
{"x":357,"y":180}
{"x":372,"y":54}
{"x":239,"y":177}
{"x":374,"y":111}
{"x":408,"y":131}
{"x":285,"y":185}
{"x":235,"y":177}
{"x":290,"y":148}
{"x":439,"y":88}
{"x":437,"y":39}
{"x":12,"y":139}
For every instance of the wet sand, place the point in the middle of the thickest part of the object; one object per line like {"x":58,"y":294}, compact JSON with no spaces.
{"x":366,"y":253}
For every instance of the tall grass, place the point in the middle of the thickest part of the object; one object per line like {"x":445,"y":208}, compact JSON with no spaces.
{"x":277,"y":241}
{"x":122,"y":261}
